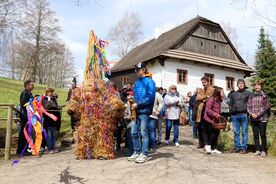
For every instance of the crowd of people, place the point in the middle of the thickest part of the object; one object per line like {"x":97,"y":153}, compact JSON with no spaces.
{"x":148,"y":106}
{"x":206,"y":107}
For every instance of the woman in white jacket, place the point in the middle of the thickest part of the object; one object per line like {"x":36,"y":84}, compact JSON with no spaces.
{"x":173,"y":102}
{"x":158,"y":106}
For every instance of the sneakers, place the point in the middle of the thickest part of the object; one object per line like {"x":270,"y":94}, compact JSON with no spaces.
{"x":133,"y":157}
{"x":152,"y":150}
{"x":257,"y":153}
{"x":208,"y":149}
{"x":243,"y":151}
{"x":141,"y":159}
{"x":263,"y":154}
{"x":235,"y":150}
{"x":215,"y":151}
{"x":177,"y":144}
{"x":167,"y":142}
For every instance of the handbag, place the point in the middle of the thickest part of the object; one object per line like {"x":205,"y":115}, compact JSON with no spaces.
{"x":184,"y":117}
{"x":222,"y":123}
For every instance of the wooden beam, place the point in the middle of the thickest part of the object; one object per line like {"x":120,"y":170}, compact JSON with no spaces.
{"x":8,"y":133}
{"x":162,"y":61}
{"x":6,"y":104}
{"x":210,"y":39}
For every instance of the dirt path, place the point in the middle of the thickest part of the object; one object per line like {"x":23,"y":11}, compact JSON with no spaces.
{"x":170,"y":164}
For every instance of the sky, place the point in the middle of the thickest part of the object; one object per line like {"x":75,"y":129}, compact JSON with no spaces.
{"x":158,"y":16}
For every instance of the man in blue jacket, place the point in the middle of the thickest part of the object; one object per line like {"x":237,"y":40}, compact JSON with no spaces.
{"x":144,"y":95}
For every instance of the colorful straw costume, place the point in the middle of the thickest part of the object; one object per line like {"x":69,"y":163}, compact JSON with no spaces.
{"x":97,"y":106}
{"x":35,"y":110}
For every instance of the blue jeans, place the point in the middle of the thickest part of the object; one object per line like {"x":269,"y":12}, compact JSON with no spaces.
{"x":51,"y":138}
{"x":175,"y":129}
{"x":129,"y":139}
{"x":152,"y":132}
{"x":140,"y":128}
{"x":240,"y":120}
{"x":192,"y":122}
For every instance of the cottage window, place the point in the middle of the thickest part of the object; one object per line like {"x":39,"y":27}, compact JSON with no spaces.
{"x":182,"y":76}
{"x":210,"y":78}
{"x":230,"y":83}
{"x":126,"y":80}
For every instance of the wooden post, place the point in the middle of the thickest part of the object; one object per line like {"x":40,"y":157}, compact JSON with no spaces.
{"x":8,"y":133}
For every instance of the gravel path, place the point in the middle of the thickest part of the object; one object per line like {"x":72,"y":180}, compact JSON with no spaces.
{"x":170,"y":164}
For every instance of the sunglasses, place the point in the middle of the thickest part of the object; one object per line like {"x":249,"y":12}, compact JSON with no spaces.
{"x":173,"y":88}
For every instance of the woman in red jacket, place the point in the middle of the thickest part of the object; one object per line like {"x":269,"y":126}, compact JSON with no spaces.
{"x":211,"y":116}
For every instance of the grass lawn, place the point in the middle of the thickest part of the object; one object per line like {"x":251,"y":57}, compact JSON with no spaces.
{"x":226,"y":139}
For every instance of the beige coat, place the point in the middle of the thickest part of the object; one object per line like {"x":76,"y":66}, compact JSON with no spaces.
{"x":201,"y":98}
{"x":158,"y":105}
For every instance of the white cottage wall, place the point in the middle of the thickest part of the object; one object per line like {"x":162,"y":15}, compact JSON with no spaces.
{"x":157,"y":72}
{"x":167,"y":75}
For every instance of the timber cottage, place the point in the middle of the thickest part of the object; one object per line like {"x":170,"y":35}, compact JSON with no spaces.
{"x":183,"y":55}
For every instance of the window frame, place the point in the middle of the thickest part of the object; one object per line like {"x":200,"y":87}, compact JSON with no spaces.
{"x":232,"y":84}
{"x":185,"y":77}
{"x":126,"y":80}
{"x":208,"y":75}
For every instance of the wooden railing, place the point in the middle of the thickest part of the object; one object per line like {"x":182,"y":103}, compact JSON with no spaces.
{"x":11,"y":108}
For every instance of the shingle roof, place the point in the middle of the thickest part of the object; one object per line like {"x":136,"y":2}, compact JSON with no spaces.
{"x":202,"y":58}
{"x":155,"y":47}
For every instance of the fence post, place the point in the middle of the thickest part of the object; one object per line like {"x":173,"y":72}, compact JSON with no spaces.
{"x":8,"y":133}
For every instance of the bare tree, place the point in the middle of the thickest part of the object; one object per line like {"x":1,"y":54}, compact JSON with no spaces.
{"x":260,"y":12}
{"x":38,"y":53}
{"x":126,"y":34}
{"x":81,"y":2}
{"x":39,"y":28}
{"x":10,"y":15}
{"x":10,"y":11}
{"x":232,"y":34}
{"x":57,"y":66}
{"x":85,"y":2}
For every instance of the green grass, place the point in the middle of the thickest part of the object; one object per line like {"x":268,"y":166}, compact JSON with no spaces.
{"x":10,"y":91}
{"x":226,"y":139}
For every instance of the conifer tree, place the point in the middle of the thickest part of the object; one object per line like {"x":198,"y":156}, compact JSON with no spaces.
{"x":265,"y":65}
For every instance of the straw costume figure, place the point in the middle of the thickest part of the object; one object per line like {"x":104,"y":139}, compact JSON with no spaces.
{"x":97,"y":106}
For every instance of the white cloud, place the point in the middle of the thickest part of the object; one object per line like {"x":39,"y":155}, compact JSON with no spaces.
{"x":162,"y":29}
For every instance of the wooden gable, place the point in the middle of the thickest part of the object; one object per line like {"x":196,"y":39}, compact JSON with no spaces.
{"x":208,"y":39}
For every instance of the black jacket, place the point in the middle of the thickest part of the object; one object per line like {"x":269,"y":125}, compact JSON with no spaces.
{"x":24,"y":98}
{"x":52,"y":107}
{"x":238,"y":101}
{"x":192,"y":101}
